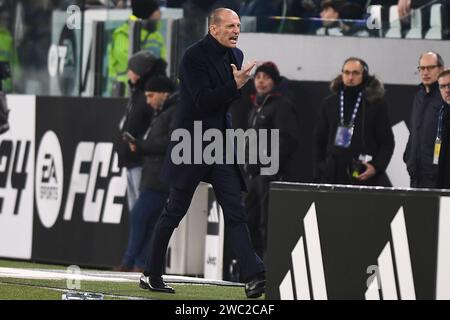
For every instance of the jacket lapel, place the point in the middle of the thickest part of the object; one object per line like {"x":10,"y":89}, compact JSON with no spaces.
{"x":217,"y":63}
{"x":235,"y":59}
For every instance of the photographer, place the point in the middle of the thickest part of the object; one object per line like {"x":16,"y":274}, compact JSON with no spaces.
{"x":353,"y":141}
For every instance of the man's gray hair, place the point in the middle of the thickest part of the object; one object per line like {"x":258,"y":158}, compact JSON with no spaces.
{"x":215,"y":16}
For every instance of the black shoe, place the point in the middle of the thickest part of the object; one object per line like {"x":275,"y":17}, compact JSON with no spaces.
{"x":156,"y":284}
{"x":256,"y":287}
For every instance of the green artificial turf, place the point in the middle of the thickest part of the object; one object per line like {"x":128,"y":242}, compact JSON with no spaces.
{"x":41,"y":289}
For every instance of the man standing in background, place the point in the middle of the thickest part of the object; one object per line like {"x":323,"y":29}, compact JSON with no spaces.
{"x":444,"y":131}
{"x":271,"y":110}
{"x":353,"y":141}
{"x":427,"y":102}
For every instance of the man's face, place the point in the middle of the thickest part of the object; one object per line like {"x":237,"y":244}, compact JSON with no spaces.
{"x":328,"y":14}
{"x":156,"y":16}
{"x":227,"y":31}
{"x":429,"y":69}
{"x":156,"y":99}
{"x":263,"y":83}
{"x":134,"y":77}
{"x":352,"y":74}
{"x":444,"y":87}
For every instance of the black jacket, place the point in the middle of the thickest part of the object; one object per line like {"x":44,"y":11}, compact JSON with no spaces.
{"x":443,"y":181}
{"x":275,"y":112}
{"x":207,"y":89}
{"x":418,"y":155}
{"x":372,"y":135}
{"x":136,"y":120}
{"x":154,"y":145}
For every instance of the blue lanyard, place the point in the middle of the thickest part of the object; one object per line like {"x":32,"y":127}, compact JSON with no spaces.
{"x":439,"y":128}
{"x":355,"y":110}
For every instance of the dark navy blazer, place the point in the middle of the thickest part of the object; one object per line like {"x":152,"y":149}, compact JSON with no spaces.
{"x":206,"y":93}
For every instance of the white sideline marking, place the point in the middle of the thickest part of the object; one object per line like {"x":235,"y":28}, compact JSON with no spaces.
{"x":107,"y":276}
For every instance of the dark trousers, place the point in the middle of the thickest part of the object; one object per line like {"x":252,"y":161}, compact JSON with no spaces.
{"x":256,"y":205}
{"x":227,"y":188}
{"x":143,"y":218}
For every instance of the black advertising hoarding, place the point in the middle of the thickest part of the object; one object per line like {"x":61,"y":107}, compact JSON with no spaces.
{"x":80,"y":193}
{"x":346,"y":243}
{"x":16,"y":178}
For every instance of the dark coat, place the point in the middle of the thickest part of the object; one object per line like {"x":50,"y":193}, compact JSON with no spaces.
{"x":372,"y":136}
{"x":206,"y":93}
{"x":136,"y":120}
{"x":154,"y":145}
{"x":275,"y":112}
{"x":443,"y":181}
{"x":419,"y":150}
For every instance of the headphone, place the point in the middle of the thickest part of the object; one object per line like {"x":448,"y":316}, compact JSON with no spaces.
{"x":364,"y":65}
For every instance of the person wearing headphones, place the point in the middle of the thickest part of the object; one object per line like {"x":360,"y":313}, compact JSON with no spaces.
{"x":353,"y":140}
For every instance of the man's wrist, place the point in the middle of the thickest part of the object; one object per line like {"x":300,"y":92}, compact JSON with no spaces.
{"x":236,"y":84}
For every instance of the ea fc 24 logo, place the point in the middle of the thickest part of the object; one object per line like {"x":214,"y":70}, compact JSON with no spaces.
{"x":49,"y":179}
{"x":14,"y":169}
{"x":96,"y":180}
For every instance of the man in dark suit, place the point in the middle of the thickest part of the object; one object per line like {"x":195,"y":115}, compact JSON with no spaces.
{"x":210,"y":79}
{"x":443,"y":132}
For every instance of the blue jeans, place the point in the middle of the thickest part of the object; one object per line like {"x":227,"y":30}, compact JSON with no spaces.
{"x":144,"y":215}
{"x":133,"y":183}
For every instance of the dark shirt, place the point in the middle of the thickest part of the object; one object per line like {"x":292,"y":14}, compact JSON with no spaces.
{"x":350,"y":97}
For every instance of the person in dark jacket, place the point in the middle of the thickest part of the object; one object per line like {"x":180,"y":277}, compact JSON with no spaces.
{"x":427,"y":102}
{"x":210,"y":79}
{"x":444,"y":119}
{"x":271,"y":110}
{"x":153,"y":193}
{"x":141,"y":66}
{"x":353,"y":140}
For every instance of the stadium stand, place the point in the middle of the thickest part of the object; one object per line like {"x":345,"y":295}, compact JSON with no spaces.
{"x":395,"y":28}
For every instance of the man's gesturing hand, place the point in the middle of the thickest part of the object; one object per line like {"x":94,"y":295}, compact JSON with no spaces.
{"x":241,"y":76}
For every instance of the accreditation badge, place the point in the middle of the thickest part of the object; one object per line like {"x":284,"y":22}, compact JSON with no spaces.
{"x":344,"y":136}
{"x":437,"y":150}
